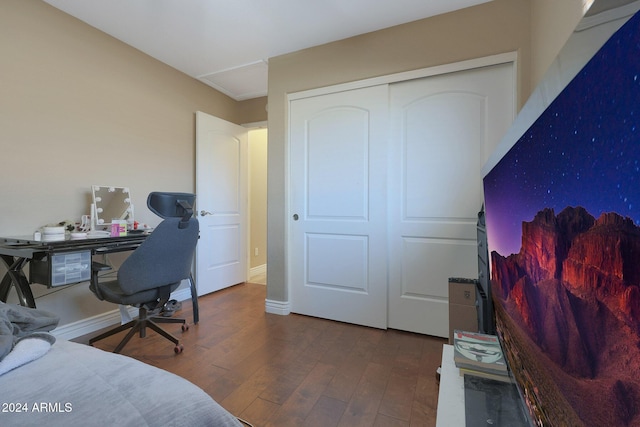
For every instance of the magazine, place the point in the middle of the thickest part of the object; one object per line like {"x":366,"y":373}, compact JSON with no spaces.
{"x":478,"y":351}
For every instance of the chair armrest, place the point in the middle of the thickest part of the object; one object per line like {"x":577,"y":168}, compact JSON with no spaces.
{"x":96,"y":268}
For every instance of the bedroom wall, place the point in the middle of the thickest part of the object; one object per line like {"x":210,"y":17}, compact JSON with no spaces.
{"x":495,"y":27}
{"x":552,"y":22}
{"x":78,"y":107}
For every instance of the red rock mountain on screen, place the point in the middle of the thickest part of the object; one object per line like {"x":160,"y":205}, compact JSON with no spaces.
{"x":573,"y":287}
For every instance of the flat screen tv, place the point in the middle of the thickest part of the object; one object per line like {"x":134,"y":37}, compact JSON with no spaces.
{"x":563,"y":228}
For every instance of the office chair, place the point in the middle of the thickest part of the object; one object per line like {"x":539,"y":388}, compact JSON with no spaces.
{"x":176,"y":205}
{"x":149,"y":275}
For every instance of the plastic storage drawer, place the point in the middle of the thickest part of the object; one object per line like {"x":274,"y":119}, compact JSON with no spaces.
{"x":61,"y":269}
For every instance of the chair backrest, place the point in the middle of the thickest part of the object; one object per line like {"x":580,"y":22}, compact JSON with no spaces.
{"x":164,"y":258}
{"x":170,"y":205}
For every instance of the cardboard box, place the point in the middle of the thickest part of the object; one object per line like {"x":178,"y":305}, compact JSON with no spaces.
{"x":463,"y":311}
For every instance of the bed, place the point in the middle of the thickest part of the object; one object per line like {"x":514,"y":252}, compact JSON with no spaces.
{"x":67,"y":384}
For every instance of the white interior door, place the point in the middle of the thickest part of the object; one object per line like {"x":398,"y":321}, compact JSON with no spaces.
{"x":337,"y":222}
{"x":442,"y":130}
{"x":222,"y":189}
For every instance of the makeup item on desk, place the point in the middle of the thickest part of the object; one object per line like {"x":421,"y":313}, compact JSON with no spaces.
{"x":53,"y":230}
{"x":85,"y":224}
{"x":52,"y":233}
{"x":118,"y":228}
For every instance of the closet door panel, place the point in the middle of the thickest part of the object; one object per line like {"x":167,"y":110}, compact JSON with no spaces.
{"x":442,"y":131}
{"x":337,"y":216}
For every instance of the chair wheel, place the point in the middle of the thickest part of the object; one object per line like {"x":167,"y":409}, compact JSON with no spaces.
{"x":185,"y":327}
{"x":178,"y":349}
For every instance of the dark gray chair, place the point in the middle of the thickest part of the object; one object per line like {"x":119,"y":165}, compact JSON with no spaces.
{"x":176,"y":205}
{"x":149,"y":275}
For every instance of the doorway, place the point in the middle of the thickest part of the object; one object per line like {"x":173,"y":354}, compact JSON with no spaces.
{"x":231,"y":207}
{"x":258,"y":205}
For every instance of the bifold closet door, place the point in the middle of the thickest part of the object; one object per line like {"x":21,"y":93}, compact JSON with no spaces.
{"x":338,"y":201}
{"x":442,"y":130}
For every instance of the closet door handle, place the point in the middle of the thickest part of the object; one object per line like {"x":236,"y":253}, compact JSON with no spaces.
{"x":204,"y":213}
{"x":295,"y":217}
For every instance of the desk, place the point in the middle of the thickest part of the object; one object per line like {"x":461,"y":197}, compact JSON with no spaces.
{"x":17,"y":252}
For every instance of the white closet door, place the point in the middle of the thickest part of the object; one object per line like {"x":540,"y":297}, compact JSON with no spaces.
{"x":442,"y":130}
{"x":337,"y":215}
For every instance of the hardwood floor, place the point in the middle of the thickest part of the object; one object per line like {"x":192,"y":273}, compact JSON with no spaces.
{"x":295,"y":370}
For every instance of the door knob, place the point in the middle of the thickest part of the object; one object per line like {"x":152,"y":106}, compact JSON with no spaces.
{"x":295,"y":217}
{"x":203,"y":213}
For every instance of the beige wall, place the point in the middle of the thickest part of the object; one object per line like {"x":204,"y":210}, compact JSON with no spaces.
{"x":252,"y":110}
{"x":258,"y":197}
{"x":552,"y":22}
{"x":491,"y":28}
{"x":78,"y":107}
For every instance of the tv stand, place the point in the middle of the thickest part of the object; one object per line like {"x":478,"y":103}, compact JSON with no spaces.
{"x":474,"y":401}
{"x":451,"y":395}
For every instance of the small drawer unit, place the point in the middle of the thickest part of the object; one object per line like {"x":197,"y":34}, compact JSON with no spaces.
{"x":60,"y":269}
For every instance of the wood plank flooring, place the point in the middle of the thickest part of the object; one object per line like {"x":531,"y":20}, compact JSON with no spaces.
{"x":295,"y":370}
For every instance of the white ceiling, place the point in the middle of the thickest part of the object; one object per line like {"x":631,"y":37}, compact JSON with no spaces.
{"x":226,"y":43}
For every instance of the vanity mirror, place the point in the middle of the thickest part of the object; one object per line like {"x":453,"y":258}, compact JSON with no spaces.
{"x":110,"y":203}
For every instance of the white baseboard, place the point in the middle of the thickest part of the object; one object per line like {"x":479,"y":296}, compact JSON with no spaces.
{"x":104,"y":320}
{"x":261,"y":269}
{"x":91,"y":324}
{"x":277,"y":307}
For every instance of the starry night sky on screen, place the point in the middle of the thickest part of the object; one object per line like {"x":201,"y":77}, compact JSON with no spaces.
{"x":584,"y":150}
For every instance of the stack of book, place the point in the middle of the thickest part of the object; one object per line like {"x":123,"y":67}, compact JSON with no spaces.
{"x":480,"y":355}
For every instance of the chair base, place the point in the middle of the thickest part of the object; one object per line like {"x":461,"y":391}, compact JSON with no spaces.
{"x":140,"y":325}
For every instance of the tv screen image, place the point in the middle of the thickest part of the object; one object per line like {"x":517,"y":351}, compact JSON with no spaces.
{"x":563,"y":228}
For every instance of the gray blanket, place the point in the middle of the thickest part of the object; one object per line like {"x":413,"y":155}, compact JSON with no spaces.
{"x":77,"y":385}
{"x":17,"y":323}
